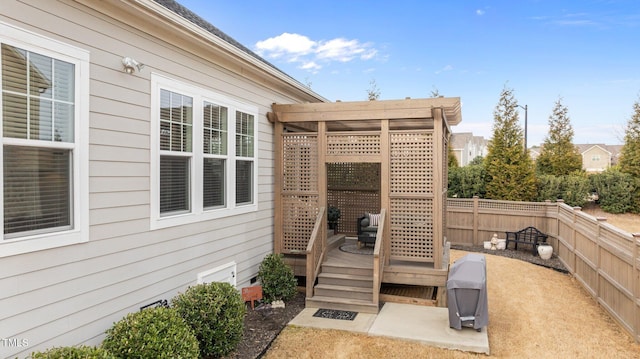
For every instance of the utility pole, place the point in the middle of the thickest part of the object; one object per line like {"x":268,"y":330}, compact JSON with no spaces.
{"x":525,"y":126}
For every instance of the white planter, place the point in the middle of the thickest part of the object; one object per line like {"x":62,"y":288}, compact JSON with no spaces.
{"x":502,"y":244}
{"x":487,"y":244}
{"x":545,"y":251}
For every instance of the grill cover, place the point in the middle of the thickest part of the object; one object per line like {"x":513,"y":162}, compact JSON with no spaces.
{"x":467,"y":293}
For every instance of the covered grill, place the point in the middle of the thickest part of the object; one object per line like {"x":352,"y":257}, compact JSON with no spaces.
{"x":467,"y":293}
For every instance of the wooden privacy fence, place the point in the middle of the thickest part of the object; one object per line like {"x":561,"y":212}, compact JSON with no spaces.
{"x":604,"y":259}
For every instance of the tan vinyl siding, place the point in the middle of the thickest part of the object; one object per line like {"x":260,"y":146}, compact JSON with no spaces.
{"x":71,"y":295}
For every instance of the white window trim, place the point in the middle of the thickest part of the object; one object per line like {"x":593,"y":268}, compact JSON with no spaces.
{"x":198,"y":213}
{"x":31,"y":41}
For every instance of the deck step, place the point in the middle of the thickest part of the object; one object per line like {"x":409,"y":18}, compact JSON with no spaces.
{"x":340,"y":291}
{"x":354,"y":305}
{"x":345,"y":280}
{"x":341,"y":269}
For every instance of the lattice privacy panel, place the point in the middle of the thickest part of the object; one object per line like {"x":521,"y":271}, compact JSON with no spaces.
{"x":348,"y":144}
{"x":412,"y":162}
{"x":299,"y":214}
{"x":299,"y":190}
{"x":300,"y":172}
{"x":355,"y":189}
{"x":412,"y":229}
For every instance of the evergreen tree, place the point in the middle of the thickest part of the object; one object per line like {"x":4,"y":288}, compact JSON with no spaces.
{"x":559,"y":156}
{"x":510,"y":174}
{"x":630,"y":155}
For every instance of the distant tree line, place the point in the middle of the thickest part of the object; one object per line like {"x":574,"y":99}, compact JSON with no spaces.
{"x":509,"y":173}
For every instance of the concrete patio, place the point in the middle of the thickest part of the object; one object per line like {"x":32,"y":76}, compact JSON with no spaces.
{"x":424,"y":324}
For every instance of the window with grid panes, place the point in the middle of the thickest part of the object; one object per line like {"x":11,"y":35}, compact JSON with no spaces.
{"x":43,"y":192}
{"x":38,"y":98}
{"x":205,"y":154}
{"x":176,"y":151}
{"x":244,"y":155}
{"x":214,"y":151}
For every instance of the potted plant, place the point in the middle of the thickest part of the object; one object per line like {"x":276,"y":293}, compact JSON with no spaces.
{"x":333,"y":214}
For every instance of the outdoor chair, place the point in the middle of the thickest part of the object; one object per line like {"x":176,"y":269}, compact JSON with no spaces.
{"x":368,"y":228}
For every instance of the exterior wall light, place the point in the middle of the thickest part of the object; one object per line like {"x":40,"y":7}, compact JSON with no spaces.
{"x":130,"y":65}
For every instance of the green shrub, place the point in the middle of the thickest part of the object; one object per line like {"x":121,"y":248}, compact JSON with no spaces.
{"x":277,"y":278}
{"x":81,"y":352}
{"x":549,"y":188}
{"x":467,"y":181}
{"x":615,"y":191}
{"x":215,"y":311}
{"x":152,"y":333}
{"x":576,"y":189}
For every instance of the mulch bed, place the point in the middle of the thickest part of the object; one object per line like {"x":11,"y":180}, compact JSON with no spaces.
{"x":263,"y":324}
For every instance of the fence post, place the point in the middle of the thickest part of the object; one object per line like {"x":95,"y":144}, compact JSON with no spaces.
{"x":475,"y":221}
{"x":599,"y":249}
{"x":636,"y":286}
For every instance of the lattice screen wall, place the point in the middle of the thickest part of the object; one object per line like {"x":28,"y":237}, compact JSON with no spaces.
{"x":353,"y":144}
{"x":299,"y":190}
{"x":412,"y":195}
{"x":355,"y":189}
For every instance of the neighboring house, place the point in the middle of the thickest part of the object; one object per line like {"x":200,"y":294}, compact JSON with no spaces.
{"x":616,"y":152}
{"x":534,"y":152}
{"x":122,"y":189}
{"x":595,"y":157}
{"x":598,"y":157}
{"x":466,"y":147}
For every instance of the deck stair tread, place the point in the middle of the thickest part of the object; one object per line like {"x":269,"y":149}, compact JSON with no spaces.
{"x":342,"y":300}
{"x":345,"y":288}
{"x":345,"y":276}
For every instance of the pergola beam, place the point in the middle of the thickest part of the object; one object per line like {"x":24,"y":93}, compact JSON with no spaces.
{"x":369,"y":110}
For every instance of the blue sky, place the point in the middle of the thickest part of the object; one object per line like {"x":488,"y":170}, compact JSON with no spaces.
{"x":585,"y":52}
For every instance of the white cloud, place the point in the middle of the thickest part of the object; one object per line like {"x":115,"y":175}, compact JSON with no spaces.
{"x":339,"y":49}
{"x":310,"y":66}
{"x":444,"y":69}
{"x":309,"y":53}
{"x":480,"y":12}
{"x":285,"y":44}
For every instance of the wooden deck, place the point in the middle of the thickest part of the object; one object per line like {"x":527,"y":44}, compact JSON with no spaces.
{"x":346,"y":279}
{"x":339,"y":258}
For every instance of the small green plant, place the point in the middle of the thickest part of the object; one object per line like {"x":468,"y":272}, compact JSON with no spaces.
{"x":81,"y":352}
{"x":333,"y":215}
{"x":152,"y":333}
{"x":215,"y":311}
{"x":277,"y":278}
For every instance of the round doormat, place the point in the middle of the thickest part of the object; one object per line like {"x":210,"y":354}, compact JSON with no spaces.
{"x":353,"y":248}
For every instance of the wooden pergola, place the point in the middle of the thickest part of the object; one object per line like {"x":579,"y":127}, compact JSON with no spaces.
{"x":403,"y":143}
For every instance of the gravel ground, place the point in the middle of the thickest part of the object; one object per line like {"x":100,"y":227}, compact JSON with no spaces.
{"x":521,"y":254}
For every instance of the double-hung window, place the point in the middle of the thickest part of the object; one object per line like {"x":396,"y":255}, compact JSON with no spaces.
{"x":176,"y":152}
{"x":203,"y":154}
{"x":245,"y":141}
{"x":44,"y":115}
